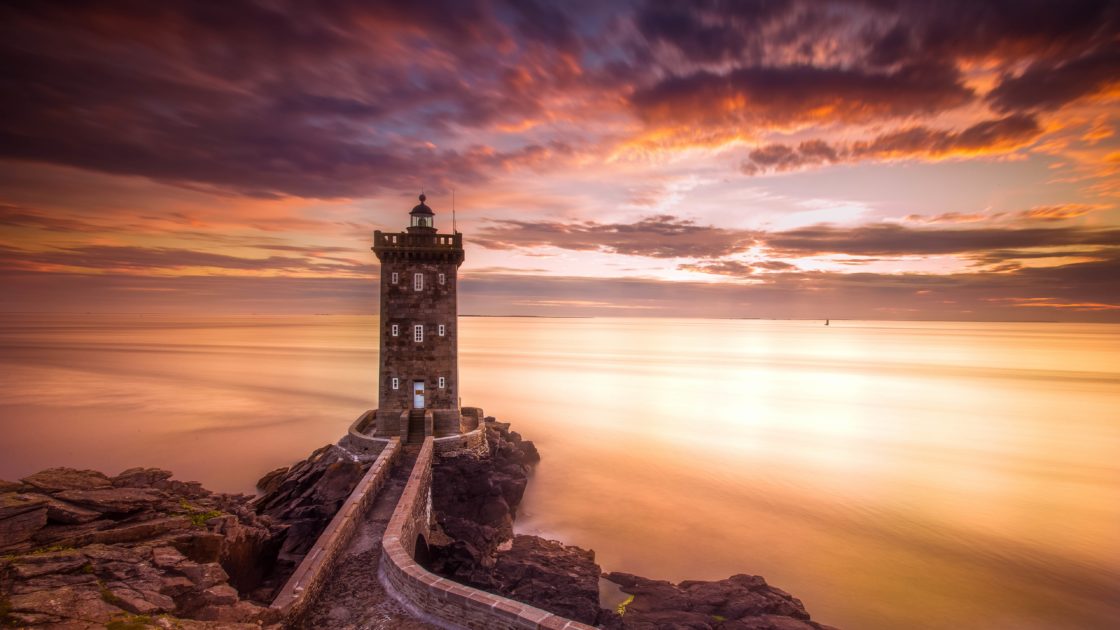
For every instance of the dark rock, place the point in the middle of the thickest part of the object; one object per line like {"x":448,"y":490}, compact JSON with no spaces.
{"x":51,"y":581}
{"x":133,"y":541}
{"x":175,"y":586}
{"x":78,"y":603}
{"x":550,"y":575}
{"x":20,"y":527}
{"x":167,"y":557}
{"x":141,"y":478}
{"x":113,"y":500}
{"x":307,"y":495}
{"x":740,"y":601}
{"x":105,"y":553}
{"x":247,"y":552}
{"x":54,"y":480}
{"x":204,"y":575}
{"x":69,"y":514}
{"x":271,"y":480}
{"x":474,"y":501}
{"x":140,"y":531}
{"x":13,"y":504}
{"x":70,"y":535}
{"x":199,"y":546}
{"x":63,"y":563}
{"x":11,"y":486}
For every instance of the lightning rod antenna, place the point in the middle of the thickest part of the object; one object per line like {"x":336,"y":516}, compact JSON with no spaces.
{"x":454,"y":228}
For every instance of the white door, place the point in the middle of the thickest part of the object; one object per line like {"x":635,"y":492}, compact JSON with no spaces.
{"x":417,"y":394}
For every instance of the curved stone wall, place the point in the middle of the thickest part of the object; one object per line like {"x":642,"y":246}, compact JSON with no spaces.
{"x":302,"y":586}
{"x":429,"y":596}
{"x":356,"y":440}
{"x":474,"y":441}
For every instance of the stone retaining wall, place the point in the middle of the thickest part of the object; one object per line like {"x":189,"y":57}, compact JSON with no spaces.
{"x":303,"y":585}
{"x":438,"y":599}
{"x":474,"y":441}
{"x":356,"y":440}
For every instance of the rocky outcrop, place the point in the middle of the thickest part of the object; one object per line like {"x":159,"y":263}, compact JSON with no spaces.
{"x":740,"y":602}
{"x":81,"y":549}
{"x":474,"y":503}
{"x":305,"y":497}
{"x":475,"y":499}
{"x":564,"y":579}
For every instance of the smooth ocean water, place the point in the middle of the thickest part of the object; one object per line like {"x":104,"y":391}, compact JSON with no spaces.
{"x":890,"y":474}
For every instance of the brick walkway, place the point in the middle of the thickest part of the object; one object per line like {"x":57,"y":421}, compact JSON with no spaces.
{"x":352,"y":598}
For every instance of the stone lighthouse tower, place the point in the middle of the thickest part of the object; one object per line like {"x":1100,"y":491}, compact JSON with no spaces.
{"x":418,"y":389}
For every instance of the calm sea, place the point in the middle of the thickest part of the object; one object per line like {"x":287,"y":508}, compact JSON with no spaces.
{"x":891,"y":475}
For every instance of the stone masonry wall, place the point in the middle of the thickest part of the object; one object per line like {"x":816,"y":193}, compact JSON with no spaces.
{"x":303,"y":585}
{"x":404,"y":358}
{"x":358,"y":440}
{"x":432,"y":597}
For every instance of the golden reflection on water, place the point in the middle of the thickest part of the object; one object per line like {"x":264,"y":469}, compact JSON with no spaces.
{"x":920,"y":475}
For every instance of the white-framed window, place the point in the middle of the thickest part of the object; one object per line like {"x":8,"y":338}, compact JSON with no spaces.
{"x":395,"y":329}
{"x":418,"y":281}
{"x":442,"y":329}
{"x":442,"y":278}
{"x":418,"y":332}
{"x":396,"y":383}
{"x":442,"y":382}
{"x":396,"y":276}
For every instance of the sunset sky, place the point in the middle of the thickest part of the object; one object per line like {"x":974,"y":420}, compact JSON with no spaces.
{"x":884,"y":159}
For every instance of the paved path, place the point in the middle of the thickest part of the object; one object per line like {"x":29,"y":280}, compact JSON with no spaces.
{"x":352,"y":598}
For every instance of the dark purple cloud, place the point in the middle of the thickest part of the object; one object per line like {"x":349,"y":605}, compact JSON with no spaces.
{"x":898,"y":240}
{"x":266,"y":99}
{"x":990,"y":136}
{"x":667,"y":236}
{"x":777,"y":95}
{"x":661,"y":236}
{"x":97,"y":258}
{"x":1049,"y":85}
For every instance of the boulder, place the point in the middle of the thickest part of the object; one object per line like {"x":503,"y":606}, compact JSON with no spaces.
{"x":11,"y":486}
{"x":19,"y":528}
{"x":13,"y":504}
{"x":78,"y":603}
{"x":64,"y":564}
{"x":307,"y":495}
{"x":167,"y":557}
{"x":271,"y":480}
{"x":54,"y":480}
{"x":559,"y":578}
{"x":113,"y":500}
{"x":140,"y":531}
{"x":204,"y":575}
{"x":141,"y":478}
{"x":69,"y":535}
{"x":68,"y":513}
{"x":740,"y":601}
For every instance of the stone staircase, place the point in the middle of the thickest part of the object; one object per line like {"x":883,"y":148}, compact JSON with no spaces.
{"x":415,"y":426}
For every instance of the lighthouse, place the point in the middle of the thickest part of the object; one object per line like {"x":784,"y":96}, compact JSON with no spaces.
{"x":418,"y":375}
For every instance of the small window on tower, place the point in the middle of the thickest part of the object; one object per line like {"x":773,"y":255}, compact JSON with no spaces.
{"x":418,"y":332}
{"x":396,"y":383}
{"x":396,"y":276}
{"x":396,"y":328}
{"x":442,"y":382}
{"x":442,"y":278}
{"x":418,"y":282}
{"x":442,"y":330}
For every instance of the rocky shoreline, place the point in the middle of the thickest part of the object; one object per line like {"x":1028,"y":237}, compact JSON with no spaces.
{"x":80,"y":549}
{"x":475,"y":500}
